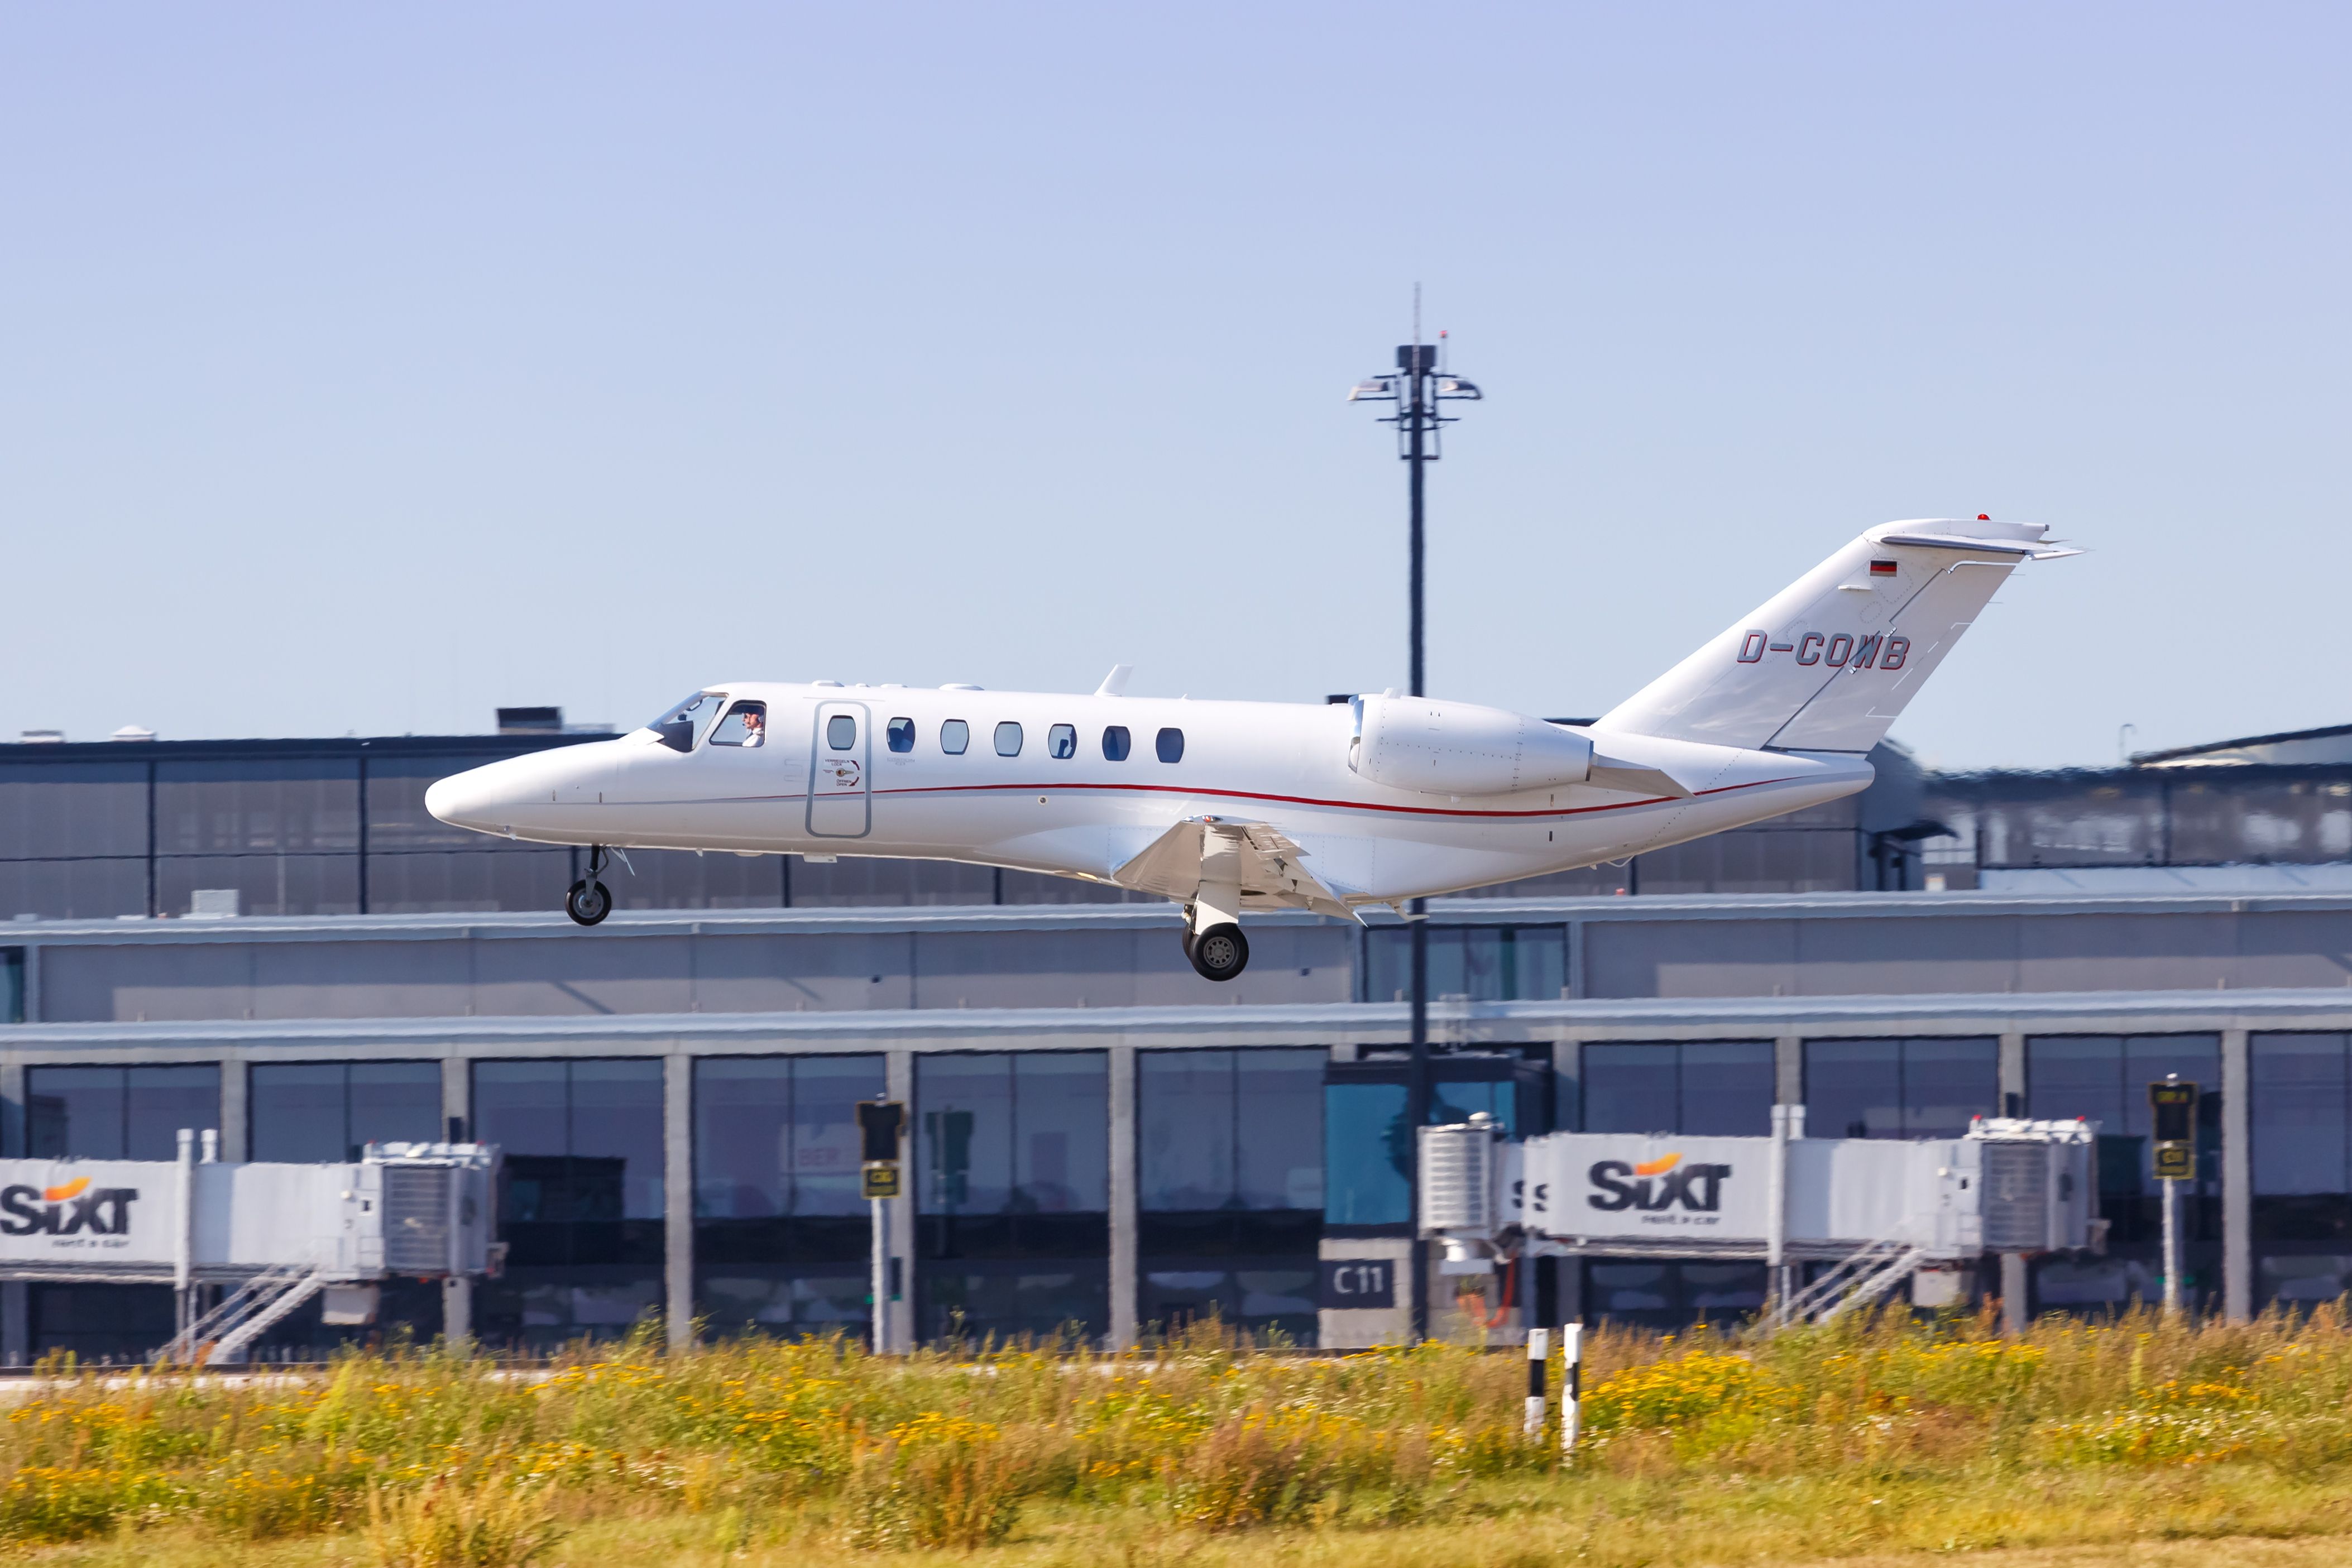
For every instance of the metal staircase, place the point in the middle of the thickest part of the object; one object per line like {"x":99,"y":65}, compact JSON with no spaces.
{"x":223,"y":1335}
{"x":1857,"y":1280}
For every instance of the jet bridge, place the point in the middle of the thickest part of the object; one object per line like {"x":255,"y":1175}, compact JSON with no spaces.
{"x":1875,"y":1210}
{"x":261,"y":1237}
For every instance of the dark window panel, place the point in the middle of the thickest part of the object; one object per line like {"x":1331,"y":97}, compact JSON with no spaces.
{"x":264,"y":883}
{"x":1853,"y":1088}
{"x":867,"y":881}
{"x":1039,"y":1296}
{"x":74,"y":889}
{"x":1033,"y":887}
{"x":396,"y":1102}
{"x":742,"y":1136}
{"x":1485,"y":963}
{"x":522,"y":1106}
{"x":1458,"y":1102}
{"x":778,"y":1135}
{"x":1367,"y":1152}
{"x":12,"y":985}
{"x":1061,"y":1161}
{"x":299,"y":1111}
{"x":752,"y":1299}
{"x":257,"y":805}
{"x":677,"y":879}
{"x":495,"y":876}
{"x":159,"y":1101}
{"x":825,"y":1139}
{"x":964,"y":1112}
{"x":1946,"y":1083}
{"x":116,"y":1324}
{"x":616,"y":1114}
{"x":1184,"y":1129}
{"x":2301,"y":1113}
{"x":1759,"y":859}
{"x":1728,"y":1088}
{"x":1279,"y":1138}
{"x":1630,"y":1089}
{"x":542,"y":1309}
{"x":1273,"y":1295}
{"x":72,"y":809}
{"x":74,"y":1113}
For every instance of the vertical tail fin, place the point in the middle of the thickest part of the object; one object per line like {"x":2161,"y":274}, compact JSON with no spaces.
{"x":1828,"y":663}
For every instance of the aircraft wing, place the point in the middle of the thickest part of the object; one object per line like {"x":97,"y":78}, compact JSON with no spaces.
{"x":1272,"y":868}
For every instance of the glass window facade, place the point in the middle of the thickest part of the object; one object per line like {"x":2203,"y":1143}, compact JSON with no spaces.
{"x":1013,"y":1185}
{"x":322,"y":1111}
{"x":1229,"y":1188}
{"x":581,"y":1209}
{"x":73,"y":839}
{"x":2105,"y":1079}
{"x":1721,"y":1088}
{"x":1921,"y":1088}
{"x":2300,"y":1117}
{"x":1367,"y":1143}
{"x":1483,"y":963}
{"x":782,"y":1239}
{"x":118,"y":1112}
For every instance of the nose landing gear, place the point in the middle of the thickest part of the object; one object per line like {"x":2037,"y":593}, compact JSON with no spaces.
{"x":590,"y":900}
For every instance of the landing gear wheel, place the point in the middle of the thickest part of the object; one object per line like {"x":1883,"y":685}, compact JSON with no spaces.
{"x":588,"y":902}
{"x":1220,"y":952}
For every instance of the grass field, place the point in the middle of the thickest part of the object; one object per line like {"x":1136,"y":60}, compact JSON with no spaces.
{"x":1862,"y":1442}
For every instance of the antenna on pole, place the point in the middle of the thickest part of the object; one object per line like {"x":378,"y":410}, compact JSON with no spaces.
{"x":1417,"y":387}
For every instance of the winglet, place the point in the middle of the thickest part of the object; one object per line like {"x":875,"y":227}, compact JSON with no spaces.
{"x":1115,"y":683}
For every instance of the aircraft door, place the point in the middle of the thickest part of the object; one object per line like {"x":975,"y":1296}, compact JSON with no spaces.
{"x":841,"y":768}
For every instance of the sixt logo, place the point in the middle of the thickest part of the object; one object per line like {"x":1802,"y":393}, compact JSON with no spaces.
{"x":1695,"y":1187}
{"x":67,"y":1210}
{"x":1879,"y":651}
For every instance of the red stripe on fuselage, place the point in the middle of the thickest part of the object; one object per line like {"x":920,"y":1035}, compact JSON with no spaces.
{"x":1229,"y":795}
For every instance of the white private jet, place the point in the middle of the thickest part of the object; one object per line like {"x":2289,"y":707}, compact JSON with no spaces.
{"x":1233,"y":807}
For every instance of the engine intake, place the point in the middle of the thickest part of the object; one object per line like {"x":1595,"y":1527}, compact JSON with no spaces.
{"x":1460,"y":749}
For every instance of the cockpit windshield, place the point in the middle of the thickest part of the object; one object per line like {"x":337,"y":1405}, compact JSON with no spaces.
{"x":682,"y":724}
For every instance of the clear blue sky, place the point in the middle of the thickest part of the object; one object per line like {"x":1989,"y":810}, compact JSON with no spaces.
{"x":367,"y":367}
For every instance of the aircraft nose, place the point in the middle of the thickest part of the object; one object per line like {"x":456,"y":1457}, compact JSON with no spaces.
{"x":460,"y":800}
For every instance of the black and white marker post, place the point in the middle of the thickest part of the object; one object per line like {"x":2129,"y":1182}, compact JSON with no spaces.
{"x":1571,"y":1387}
{"x":1539,"y":1364}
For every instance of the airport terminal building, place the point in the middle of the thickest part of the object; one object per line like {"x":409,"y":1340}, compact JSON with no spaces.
{"x":272,"y":939}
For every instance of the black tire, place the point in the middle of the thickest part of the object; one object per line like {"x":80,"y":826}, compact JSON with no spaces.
{"x":588,"y":902}
{"x":1220,"y":952}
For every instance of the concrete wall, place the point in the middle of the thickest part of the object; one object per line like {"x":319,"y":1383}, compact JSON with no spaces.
{"x":1697,"y":947}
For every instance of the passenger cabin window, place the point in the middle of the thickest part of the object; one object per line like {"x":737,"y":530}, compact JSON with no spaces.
{"x":901,"y":734}
{"x":683,"y":724}
{"x":746,"y":725}
{"x":840,"y":732}
{"x":1061,"y":741}
{"x":1008,"y":739}
{"x":954,"y":736}
{"x":1170,"y":746}
{"x":1116,"y":744}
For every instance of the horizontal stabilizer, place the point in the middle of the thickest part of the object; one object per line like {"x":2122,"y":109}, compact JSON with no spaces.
{"x":1607,"y":773}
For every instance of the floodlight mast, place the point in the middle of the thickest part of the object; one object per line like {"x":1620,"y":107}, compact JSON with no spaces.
{"x":1417,"y":386}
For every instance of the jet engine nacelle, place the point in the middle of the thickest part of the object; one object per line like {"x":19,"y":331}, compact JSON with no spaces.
{"x":1459,"y":748}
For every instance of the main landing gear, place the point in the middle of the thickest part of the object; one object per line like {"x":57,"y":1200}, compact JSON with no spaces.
{"x":1214,"y":941}
{"x":590,"y":900}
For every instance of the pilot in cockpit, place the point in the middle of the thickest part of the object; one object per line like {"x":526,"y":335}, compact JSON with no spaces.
{"x":755,"y":727}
